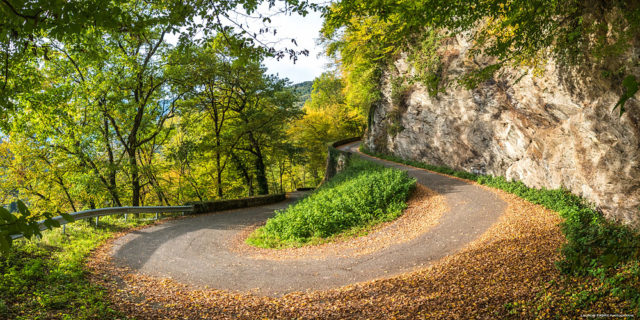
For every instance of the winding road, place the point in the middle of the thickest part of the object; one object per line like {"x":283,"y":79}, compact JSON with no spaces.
{"x":197,"y":250}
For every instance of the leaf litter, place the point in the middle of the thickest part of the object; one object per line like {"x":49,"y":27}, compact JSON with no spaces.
{"x":504,"y":268}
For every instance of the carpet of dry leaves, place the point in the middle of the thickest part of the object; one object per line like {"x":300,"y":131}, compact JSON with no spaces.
{"x":508,"y":265}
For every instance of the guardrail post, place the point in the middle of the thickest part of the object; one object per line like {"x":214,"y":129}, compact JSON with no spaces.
{"x":64,"y":228}
{"x":125,"y":218}
{"x":97,"y":219}
{"x":156,"y":216}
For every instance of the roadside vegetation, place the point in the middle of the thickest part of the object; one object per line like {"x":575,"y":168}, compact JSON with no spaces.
{"x":361,"y":196}
{"x":600,"y":259}
{"x":46,"y":278}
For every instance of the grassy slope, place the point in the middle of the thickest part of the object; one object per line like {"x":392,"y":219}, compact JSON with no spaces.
{"x":363,"y":195}
{"x":45,"y":279}
{"x":600,"y":258}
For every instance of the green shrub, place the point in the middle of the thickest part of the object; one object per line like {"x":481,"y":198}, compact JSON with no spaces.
{"x":362,"y":195}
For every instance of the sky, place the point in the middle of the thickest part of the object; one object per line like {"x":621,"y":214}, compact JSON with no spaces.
{"x":306,"y":31}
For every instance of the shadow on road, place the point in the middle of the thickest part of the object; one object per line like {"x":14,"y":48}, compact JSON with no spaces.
{"x":139,"y":246}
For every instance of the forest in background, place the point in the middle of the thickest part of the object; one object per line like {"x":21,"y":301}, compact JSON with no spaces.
{"x":199,"y":122}
{"x":127,"y":117}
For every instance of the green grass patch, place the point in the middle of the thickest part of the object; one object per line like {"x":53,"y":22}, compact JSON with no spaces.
{"x":597,"y":250}
{"x":361,"y":196}
{"x":45,"y":279}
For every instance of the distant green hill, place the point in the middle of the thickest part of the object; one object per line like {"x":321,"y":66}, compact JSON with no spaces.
{"x":302,"y":91}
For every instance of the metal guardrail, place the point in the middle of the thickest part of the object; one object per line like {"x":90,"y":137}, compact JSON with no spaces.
{"x":96,"y":213}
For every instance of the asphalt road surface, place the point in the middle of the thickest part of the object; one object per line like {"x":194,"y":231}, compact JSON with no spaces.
{"x":197,"y":251}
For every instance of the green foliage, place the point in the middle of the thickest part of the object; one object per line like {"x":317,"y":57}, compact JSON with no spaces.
{"x":90,"y":104}
{"x":597,"y":34}
{"x":148,"y":124}
{"x":327,"y":92}
{"x":327,"y":118}
{"x":21,"y":221}
{"x":46,"y":279}
{"x":473,"y":79}
{"x":631,"y":86}
{"x":31,"y":30}
{"x":399,"y":90}
{"x":364,"y":49}
{"x":427,"y":64}
{"x":395,"y":127}
{"x":362,"y":195}
{"x":596,"y":248}
{"x":302,"y":91}
{"x":236,"y":113}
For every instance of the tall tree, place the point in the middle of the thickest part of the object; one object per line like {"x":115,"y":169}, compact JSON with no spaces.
{"x":139,"y":105}
{"x":327,"y":118}
{"x":245,"y":109}
{"x":264,"y":107}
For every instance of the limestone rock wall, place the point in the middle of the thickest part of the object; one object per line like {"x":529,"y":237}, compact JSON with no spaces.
{"x":552,"y":131}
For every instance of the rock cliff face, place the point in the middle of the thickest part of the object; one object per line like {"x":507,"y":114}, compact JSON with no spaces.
{"x":555,"y":130}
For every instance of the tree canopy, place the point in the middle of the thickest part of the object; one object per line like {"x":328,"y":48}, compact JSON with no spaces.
{"x":599,"y":34}
{"x":99,"y":108}
{"x":32,"y":30}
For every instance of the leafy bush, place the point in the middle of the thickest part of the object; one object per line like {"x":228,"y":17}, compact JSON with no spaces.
{"x":19,"y":220}
{"x":45,"y":279}
{"x":595,"y":249}
{"x":362,"y":195}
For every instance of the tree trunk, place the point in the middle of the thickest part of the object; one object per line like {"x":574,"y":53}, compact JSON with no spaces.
{"x":135,"y":179}
{"x":261,"y":172}
{"x":261,"y":175}
{"x":219,"y":173}
{"x":244,"y":172}
{"x":66,"y":192}
{"x":281,"y":174}
{"x":195,"y":188}
{"x":274,"y":183}
{"x":111,"y":170}
{"x":156,"y":187}
{"x":292,"y":176}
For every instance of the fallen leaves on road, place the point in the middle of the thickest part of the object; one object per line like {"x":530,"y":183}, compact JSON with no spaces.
{"x":505,"y":267}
